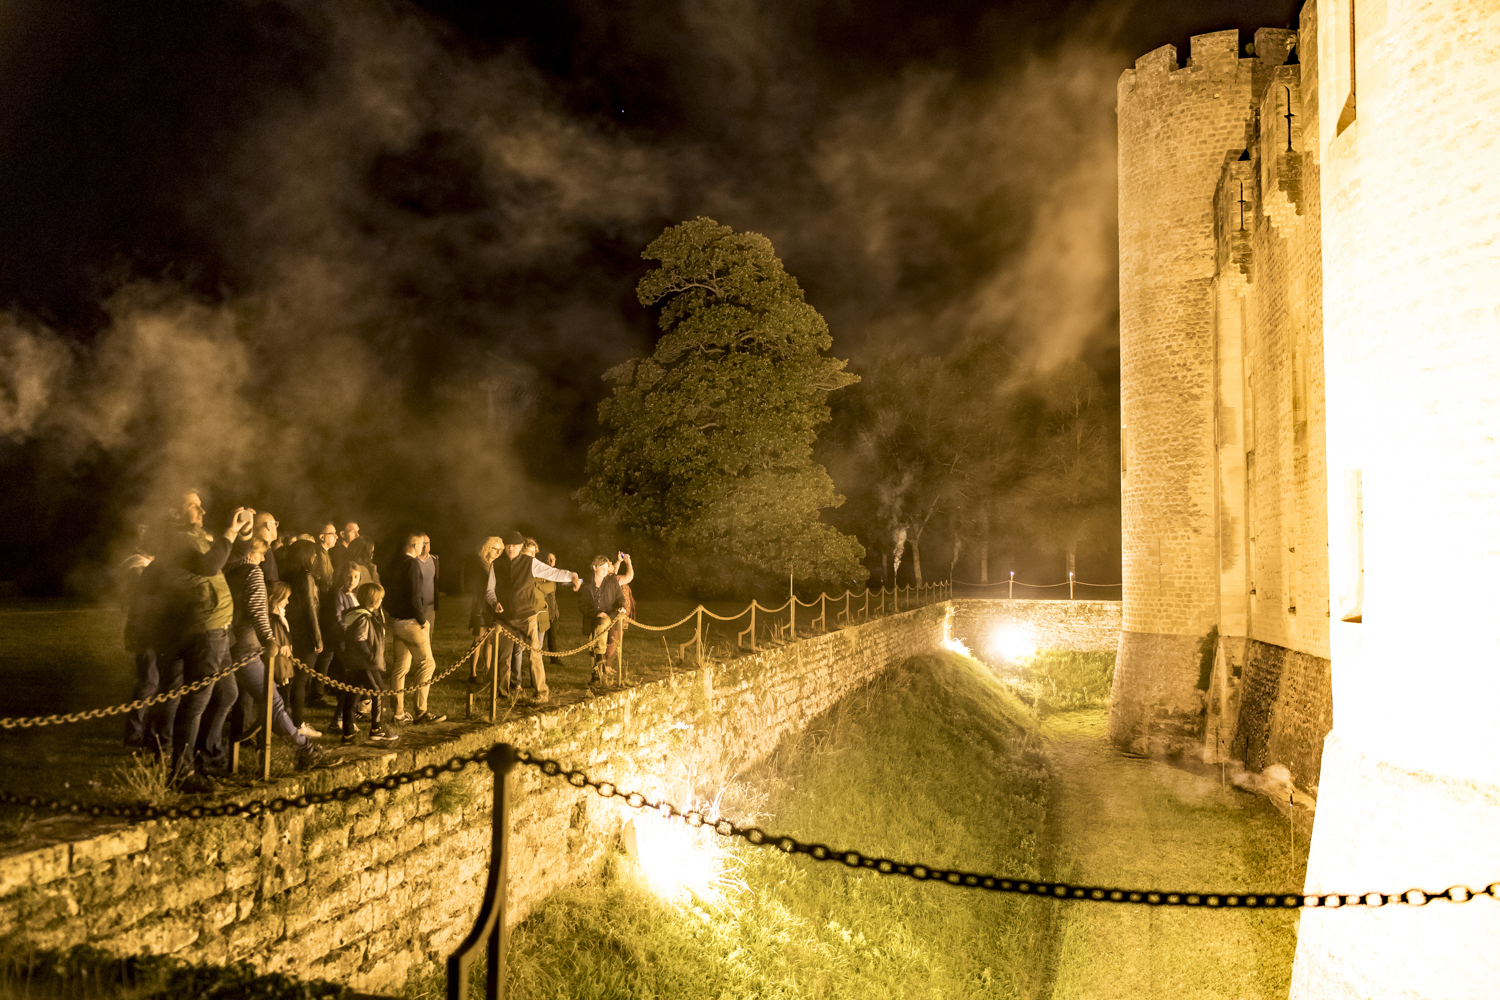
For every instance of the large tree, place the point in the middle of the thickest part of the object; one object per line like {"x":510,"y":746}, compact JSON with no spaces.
{"x":708,"y":442}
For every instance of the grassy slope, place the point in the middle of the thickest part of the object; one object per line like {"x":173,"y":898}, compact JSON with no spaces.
{"x":949,"y":777}
{"x":1131,"y":823}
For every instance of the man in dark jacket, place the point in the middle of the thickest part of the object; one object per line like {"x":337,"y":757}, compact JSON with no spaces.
{"x":512,"y":592}
{"x":203,"y":610}
{"x":408,"y":609}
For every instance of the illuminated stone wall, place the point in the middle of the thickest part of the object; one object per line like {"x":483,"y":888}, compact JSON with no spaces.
{"x":1189,"y":330}
{"x":1076,"y":626}
{"x":1408,"y":140}
{"x":369,"y":892}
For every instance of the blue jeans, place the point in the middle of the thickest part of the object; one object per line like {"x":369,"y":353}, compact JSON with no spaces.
{"x":253,"y":684}
{"x":203,"y":655}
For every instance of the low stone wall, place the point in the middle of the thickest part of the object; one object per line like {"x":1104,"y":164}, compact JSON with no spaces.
{"x":1285,"y":711}
{"x":1077,"y":626}
{"x":369,"y":891}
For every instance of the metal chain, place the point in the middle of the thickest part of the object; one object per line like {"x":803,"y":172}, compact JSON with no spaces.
{"x":131,"y":706}
{"x":505,"y":630}
{"x":372,"y":692}
{"x":994,"y":883}
{"x":143,"y":811}
{"x":100,"y":713}
{"x":759,"y":838}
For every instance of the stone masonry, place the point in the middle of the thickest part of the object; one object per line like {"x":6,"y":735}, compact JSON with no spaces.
{"x":1222,"y":389}
{"x":375,"y":890}
{"x":1077,"y":626}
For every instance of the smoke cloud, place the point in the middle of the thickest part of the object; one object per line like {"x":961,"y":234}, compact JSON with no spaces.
{"x":427,"y":256}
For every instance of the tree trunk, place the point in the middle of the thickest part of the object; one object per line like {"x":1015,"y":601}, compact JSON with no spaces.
{"x":916,"y":556}
{"x":898,"y":544}
{"x":1072,"y":558}
{"x":958,"y":546}
{"x":984,"y":548}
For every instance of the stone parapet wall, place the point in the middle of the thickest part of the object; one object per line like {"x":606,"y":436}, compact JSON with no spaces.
{"x":1076,"y":626}
{"x":371,"y":891}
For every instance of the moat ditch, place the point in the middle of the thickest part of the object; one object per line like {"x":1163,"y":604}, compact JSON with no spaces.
{"x":938,"y":761}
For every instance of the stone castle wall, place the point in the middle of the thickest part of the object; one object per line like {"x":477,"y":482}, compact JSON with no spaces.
{"x":1178,"y":128}
{"x":1239,"y":462}
{"x":1078,"y":626}
{"x":370,"y":891}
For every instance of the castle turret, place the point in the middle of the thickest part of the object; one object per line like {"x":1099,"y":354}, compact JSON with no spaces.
{"x":1178,"y":128}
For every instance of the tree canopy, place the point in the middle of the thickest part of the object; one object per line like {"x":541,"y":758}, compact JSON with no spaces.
{"x":708,"y":442}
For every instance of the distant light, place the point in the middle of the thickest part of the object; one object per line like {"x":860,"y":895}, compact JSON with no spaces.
{"x":954,"y":645}
{"x":678,"y":862}
{"x":1012,"y":644}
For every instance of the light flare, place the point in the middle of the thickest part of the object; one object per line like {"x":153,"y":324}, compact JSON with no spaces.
{"x":682,"y":863}
{"x":1012,"y":644}
{"x":956,"y":646}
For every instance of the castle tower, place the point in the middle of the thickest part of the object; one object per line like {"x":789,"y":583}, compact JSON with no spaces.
{"x":1409,"y":134}
{"x":1178,"y":129}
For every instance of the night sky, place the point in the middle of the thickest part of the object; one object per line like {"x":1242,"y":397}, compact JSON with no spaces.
{"x":370,"y":260}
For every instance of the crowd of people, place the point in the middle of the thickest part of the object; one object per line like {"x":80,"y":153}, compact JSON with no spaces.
{"x":286,"y":611}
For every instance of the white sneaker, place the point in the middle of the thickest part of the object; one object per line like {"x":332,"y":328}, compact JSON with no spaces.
{"x":309,"y":731}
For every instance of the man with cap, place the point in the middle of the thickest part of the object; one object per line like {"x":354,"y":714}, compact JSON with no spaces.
{"x":512,"y":592}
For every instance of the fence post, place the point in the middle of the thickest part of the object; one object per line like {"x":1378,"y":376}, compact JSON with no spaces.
{"x":1070,"y":585}
{"x":489,"y":928}
{"x":495,"y":676}
{"x":265,"y":738}
{"x":1012,"y":585}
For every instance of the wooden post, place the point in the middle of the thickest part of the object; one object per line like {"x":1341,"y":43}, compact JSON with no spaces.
{"x":1070,"y":585}
{"x":1012,"y":585}
{"x":791,"y":603}
{"x":495,"y":676}
{"x":265,"y":738}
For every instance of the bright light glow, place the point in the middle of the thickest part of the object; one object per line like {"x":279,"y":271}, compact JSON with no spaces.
{"x":681,"y":863}
{"x":1012,"y":644}
{"x":956,"y":646}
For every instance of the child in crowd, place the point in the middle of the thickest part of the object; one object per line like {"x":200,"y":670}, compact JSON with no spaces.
{"x":364,"y":663}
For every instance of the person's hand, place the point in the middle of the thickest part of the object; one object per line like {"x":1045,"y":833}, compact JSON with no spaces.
{"x":286,"y":651}
{"x":318,"y":648}
{"x":602,"y":615}
{"x":577,"y":581}
{"x":499,"y":608}
{"x":239,"y":522}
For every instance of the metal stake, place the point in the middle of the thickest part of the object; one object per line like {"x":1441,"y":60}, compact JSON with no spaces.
{"x":489,"y":928}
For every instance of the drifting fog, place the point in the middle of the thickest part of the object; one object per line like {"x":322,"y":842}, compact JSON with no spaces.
{"x":430,"y":257}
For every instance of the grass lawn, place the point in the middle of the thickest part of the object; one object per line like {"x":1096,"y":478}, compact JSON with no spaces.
{"x":939,"y":761}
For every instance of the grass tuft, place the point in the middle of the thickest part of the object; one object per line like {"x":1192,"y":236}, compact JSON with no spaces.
{"x":143,"y":778}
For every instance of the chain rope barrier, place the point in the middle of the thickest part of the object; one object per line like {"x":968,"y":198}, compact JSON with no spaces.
{"x":1033,"y":586}
{"x":129,"y":706}
{"x":757,"y":837}
{"x":100,"y":713}
{"x":372,"y":692}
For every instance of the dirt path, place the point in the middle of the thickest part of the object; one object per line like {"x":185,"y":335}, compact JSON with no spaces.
{"x":1123,"y":822}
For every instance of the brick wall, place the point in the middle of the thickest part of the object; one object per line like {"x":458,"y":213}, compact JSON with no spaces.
{"x":1077,"y":626}
{"x":1179,"y":129}
{"x":1285,"y":711}
{"x":370,"y":891}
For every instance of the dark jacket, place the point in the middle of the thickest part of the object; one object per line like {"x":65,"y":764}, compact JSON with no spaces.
{"x":364,"y":640}
{"x":605,"y":599}
{"x":477,"y":581}
{"x":332,"y":624}
{"x":302,"y":612}
{"x":403,"y":590}
{"x":196,"y":597}
{"x":515,"y":586}
{"x":269,"y":569}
